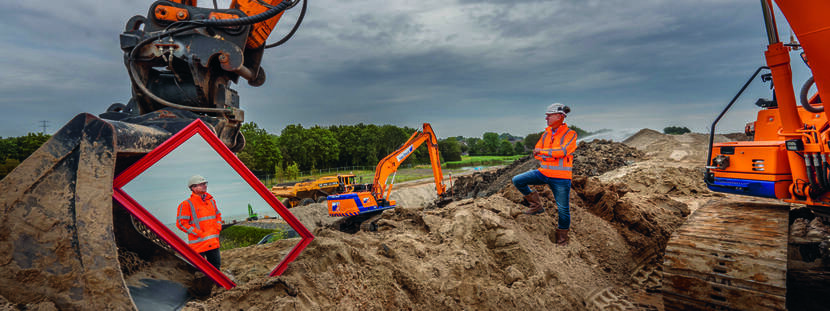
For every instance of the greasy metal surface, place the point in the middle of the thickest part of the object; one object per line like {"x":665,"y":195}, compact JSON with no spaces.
{"x":728,"y":256}
{"x":56,"y":215}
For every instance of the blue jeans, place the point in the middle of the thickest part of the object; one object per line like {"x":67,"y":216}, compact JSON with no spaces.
{"x":561,"y":192}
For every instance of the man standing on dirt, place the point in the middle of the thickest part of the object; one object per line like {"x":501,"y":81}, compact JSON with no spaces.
{"x":201,"y":220}
{"x":554,"y":150}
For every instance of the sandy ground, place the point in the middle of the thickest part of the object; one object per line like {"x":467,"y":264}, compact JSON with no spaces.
{"x":480,"y":252}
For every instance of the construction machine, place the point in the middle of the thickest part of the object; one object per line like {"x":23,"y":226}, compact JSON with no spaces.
{"x":307,"y":192}
{"x":376,"y":196}
{"x":65,"y":240}
{"x":742,"y":255}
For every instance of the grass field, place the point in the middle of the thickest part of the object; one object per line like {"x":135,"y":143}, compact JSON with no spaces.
{"x":483,"y":161}
{"x":413,"y":173}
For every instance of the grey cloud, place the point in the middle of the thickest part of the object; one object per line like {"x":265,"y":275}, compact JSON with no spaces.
{"x":468,"y":66}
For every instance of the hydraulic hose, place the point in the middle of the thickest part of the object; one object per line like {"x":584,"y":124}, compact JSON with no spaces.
{"x":293,"y":29}
{"x":141,"y":87}
{"x":810,"y":179}
{"x":806,"y":102}
{"x":193,"y":25}
{"x":248,"y":19}
{"x":822,"y":181}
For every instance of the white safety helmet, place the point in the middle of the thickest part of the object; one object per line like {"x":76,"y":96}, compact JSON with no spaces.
{"x":195,"y":180}
{"x":558,"y":108}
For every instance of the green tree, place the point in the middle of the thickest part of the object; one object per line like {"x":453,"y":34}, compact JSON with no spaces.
{"x":292,"y":171}
{"x":475,"y":146}
{"x":491,"y":143}
{"x":279,"y":171}
{"x":291,"y":141}
{"x":450,"y":149}
{"x":261,"y":152}
{"x":321,"y":147}
{"x":7,"y":166}
{"x":579,"y":132}
{"x":505,"y":148}
{"x":676,"y":130}
{"x":14,"y":150}
{"x":531,"y":139}
{"x":519,"y":148}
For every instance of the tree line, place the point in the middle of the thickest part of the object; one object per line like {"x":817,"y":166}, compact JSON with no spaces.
{"x":298,"y":148}
{"x":14,"y":150}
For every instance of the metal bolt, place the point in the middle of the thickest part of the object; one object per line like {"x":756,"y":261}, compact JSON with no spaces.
{"x":223,"y":58}
{"x":181,"y":15}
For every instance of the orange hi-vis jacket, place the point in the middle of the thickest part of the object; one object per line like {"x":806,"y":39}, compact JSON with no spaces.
{"x":201,"y":220}
{"x":557,"y":146}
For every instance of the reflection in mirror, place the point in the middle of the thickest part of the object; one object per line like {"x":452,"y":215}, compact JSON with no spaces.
{"x":253,"y":237}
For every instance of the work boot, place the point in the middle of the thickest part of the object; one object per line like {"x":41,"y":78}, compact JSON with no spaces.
{"x":535,"y":204}
{"x":562,"y":237}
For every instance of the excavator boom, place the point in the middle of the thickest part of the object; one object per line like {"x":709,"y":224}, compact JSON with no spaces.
{"x":377,"y":199}
{"x":388,"y":166}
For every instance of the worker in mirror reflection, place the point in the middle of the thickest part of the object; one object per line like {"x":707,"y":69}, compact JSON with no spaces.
{"x":199,"y":217}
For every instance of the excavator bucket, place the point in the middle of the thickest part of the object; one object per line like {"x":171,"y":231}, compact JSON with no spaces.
{"x":64,"y":239}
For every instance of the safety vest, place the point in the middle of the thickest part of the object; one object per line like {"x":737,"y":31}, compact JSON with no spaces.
{"x":202,"y":222}
{"x":557,"y":146}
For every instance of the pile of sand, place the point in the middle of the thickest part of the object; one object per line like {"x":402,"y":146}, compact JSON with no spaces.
{"x":687,"y":148}
{"x":590,"y":159}
{"x":481,"y":252}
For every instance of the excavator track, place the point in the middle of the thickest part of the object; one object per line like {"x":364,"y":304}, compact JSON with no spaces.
{"x":728,"y":256}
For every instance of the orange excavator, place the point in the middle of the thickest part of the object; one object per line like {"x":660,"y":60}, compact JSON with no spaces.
{"x":64,"y":239}
{"x":740,"y":254}
{"x":375,"y":197}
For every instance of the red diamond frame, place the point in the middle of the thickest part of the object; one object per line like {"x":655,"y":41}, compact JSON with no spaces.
{"x":198,"y":127}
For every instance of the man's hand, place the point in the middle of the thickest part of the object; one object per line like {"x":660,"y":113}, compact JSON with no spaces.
{"x":537,"y":151}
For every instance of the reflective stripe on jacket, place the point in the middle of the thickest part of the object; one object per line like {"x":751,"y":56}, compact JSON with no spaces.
{"x":201,"y":220}
{"x":557,"y":146}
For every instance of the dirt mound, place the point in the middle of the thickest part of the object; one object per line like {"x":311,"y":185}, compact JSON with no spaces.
{"x":483,"y":184}
{"x":590,"y":159}
{"x":599,"y":156}
{"x":689,"y":147}
{"x":477,"y":253}
{"x":482,"y":252}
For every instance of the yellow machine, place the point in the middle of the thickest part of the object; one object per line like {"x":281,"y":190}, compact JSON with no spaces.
{"x":376,"y":198}
{"x":308,"y":192}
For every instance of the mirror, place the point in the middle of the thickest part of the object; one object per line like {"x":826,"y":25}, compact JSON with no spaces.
{"x":258,"y":233}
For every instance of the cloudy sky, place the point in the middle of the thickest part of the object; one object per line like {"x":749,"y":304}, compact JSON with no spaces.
{"x":466,"y":66}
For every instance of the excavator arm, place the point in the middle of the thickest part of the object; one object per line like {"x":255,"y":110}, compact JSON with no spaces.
{"x":388,"y":166}
{"x":186,"y":58}
{"x":377,"y":198}
{"x":58,"y":204}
